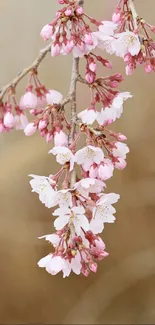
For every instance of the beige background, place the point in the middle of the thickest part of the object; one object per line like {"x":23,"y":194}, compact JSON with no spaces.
{"x":123,"y":290}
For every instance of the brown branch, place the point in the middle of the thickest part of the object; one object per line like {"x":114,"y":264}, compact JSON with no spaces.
{"x":21,"y":75}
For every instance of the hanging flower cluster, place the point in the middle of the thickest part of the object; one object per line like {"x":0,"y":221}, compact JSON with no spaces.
{"x":77,"y":190}
{"x":133,"y":41}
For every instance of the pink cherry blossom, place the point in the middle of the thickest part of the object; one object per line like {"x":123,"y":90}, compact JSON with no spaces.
{"x":30,"y":129}
{"x":9,"y":120}
{"x":29,"y":100}
{"x":60,"y":139}
{"x":53,"y":97}
{"x":46,"y":32}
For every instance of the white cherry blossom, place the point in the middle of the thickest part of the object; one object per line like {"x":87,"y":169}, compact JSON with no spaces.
{"x":41,"y":185}
{"x":126,"y":42}
{"x":89,"y":155}
{"x":88,"y":116}
{"x":103,"y":212}
{"x":63,"y":155}
{"x":54,"y":239}
{"x":56,"y":264}
{"x":120,"y":150}
{"x":74,"y":216}
{"x":53,"y":97}
{"x":64,"y":198}
{"x":110,"y":114}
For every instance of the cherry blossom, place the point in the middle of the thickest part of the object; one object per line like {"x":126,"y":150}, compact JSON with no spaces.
{"x":53,"y":97}
{"x":103,"y":212}
{"x":89,"y":155}
{"x":63,"y":156}
{"x":42,"y":186}
{"x":120,"y":150}
{"x":74,"y":216}
{"x":126,"y":42}
{"x":88,"y":116}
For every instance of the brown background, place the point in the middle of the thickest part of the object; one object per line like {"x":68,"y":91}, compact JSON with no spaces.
{"x":123,"y":290}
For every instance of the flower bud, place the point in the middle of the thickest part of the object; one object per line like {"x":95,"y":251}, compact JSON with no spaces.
{"x":30,"y":129}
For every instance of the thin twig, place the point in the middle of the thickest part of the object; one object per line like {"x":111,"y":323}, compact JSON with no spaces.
{"x":21,"y":75}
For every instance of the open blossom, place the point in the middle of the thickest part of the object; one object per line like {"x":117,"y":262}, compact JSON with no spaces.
{"x":74,"y":216}
{"x":107,"y":28}
{"x":42,"y":186}
{"x":63,"y":198}
{"x":53,"y":97}
{"x":120,"y":150}
{"x":89,"y":155}
{"x":63,"y":156}
{"x":88,"y":116}
{"x":103,"y":212}
{"x":54,"y":239}
{"x":56,"y":264}
{"x":29,"y":100}
{"x":110,"y":114}
{"x":126,"y":42}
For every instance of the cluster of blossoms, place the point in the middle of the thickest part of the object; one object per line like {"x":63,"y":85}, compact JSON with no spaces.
{"x":76,"y":191}
{"x":132,"y":40}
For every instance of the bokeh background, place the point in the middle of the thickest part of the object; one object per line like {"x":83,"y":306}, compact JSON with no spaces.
{"x":123,"y":290}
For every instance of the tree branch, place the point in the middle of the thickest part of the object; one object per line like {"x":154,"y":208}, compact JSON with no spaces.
{"x":21,"y":75}
{"x":134,"y":13}
{"x":72,"y":93}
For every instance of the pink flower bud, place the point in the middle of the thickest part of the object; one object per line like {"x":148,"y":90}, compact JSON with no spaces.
{"x":116,"y":17}
{"x":8,"y":120}
{"x":79,"y":10}
{"x":129,"y":70}
{"x":88,"y":39}
{"x":30,"y":129}
{"x":68,"y":12}
{"x":121,"y":137}
{"x":46,"y":32}
{"x":53,"y":97}
{"x":42,"y":125}
{"x":29,"y":100}
{"x":92,"y":66}
{"x":55,"y":49}
{"x":93,"y":267}
{"x":89,"y":77}
{"x":148,"y":68}
{"x":120,"y":164}
{"x":99,"y":243}
{"x":60,"y":139}
{"x":49,"y":137}
{"x":61,"y":2}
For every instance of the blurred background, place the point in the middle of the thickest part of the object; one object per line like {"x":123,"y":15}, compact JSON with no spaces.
{"x":123,"y":290}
